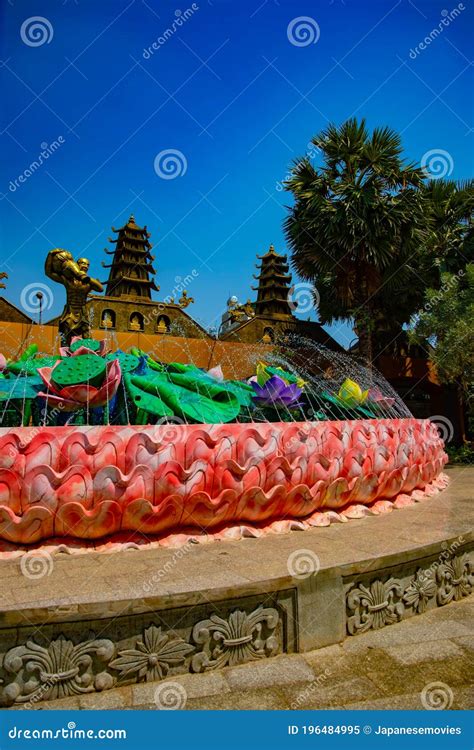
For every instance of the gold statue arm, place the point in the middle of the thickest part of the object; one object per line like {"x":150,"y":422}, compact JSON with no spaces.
{"x":96,"y":285}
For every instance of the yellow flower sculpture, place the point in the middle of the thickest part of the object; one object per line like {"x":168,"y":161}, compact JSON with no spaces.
{"x":351,"y":394}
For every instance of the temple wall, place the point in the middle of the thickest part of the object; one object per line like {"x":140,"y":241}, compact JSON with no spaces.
{"x":414,"y":379}
{"x":237,"y":359}
{"x":149,"y":312}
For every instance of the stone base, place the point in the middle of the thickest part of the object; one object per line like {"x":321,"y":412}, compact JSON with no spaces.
{"x":71,"y":625}
{"x":400,"y":667}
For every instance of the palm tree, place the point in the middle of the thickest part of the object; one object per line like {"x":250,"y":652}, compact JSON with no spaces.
{"x":450,"y":244}
{"x":356,"y":223}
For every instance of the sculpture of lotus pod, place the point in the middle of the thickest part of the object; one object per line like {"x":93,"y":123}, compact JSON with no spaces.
{"x":79,"y":345}
{"x":82,"y":380}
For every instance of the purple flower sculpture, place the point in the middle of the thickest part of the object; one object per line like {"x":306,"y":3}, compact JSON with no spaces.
{"x":275,"y":392}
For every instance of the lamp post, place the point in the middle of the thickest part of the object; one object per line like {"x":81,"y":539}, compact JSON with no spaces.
{"x":39,"y":297}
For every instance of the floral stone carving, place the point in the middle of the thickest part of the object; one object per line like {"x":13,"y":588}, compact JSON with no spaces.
{"x":374,"y":606}
{"x":455,"y":578}
{"x":421,"y":589}
{"x":238,"y":639}
{"x":60,"y":670}
{"x":153,"y":657}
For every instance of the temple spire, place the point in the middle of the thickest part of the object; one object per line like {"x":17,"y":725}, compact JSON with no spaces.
{"x":131,"y":270}
{"x":273,"y":285}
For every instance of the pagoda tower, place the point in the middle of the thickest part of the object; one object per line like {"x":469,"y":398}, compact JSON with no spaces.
{"x":131,"y":270}
{"x":273,"y":285}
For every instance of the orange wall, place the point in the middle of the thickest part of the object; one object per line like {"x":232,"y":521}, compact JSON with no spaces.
{"x":237,"y":360}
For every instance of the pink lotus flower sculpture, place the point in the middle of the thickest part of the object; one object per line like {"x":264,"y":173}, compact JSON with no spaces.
{"x":376,"y":397}
{"x":216,"y":373}
{"x":77,"y":396}
{"x":275,"y":392}
{"x":226,"y":480}
{"x":3,"y":363}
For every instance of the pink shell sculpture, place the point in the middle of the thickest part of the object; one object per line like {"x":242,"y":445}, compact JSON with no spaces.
{"x":88,"y":483}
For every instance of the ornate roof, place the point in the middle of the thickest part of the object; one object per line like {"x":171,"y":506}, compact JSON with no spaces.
{"x":132,"y":228}
{"x":132,"y":251}
{"x":273,"y":284}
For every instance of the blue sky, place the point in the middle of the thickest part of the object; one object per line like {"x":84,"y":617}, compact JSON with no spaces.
{"x":231,"y":91}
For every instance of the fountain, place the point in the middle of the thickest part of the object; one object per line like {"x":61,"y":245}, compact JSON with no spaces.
{"x":119,"y":470}
{"x":102,"y":444}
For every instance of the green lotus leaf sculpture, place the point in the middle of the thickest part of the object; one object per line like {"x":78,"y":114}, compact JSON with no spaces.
{"x":188,"y":395}
{"x":30,"y":366}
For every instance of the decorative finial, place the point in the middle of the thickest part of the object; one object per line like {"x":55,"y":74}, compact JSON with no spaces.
{"x":184,"y":300}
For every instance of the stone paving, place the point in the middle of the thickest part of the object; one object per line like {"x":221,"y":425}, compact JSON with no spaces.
{"x":383,"y":669}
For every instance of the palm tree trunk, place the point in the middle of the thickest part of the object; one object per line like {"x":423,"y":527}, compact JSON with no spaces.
{"x":364,"y":334}
{"x":363,"y":318}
